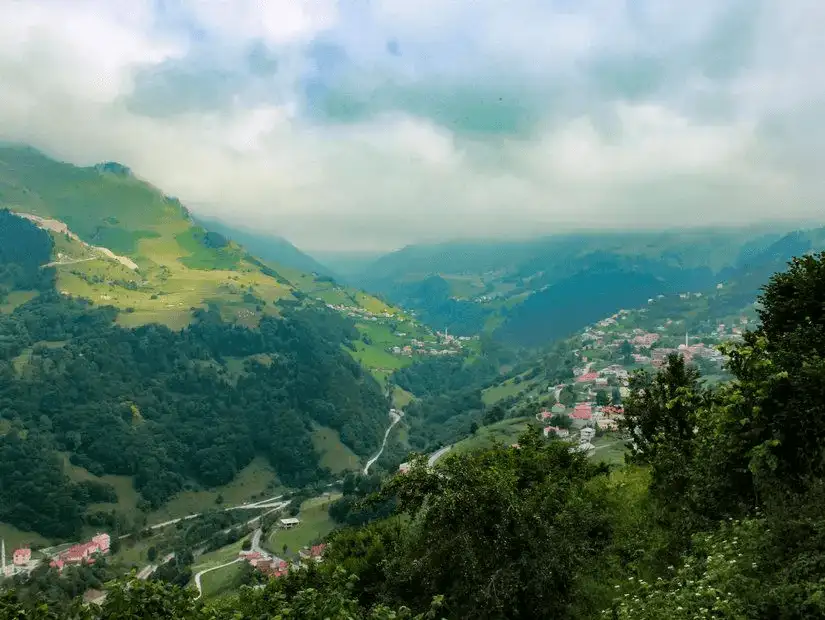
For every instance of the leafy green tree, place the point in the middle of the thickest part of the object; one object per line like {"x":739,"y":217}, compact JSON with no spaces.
{"x":516,"y":524}
{"x":494,"y":414}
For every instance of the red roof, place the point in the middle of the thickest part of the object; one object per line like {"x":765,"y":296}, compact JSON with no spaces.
{"x":317,"y":550}
{"x":546,"y":414}
{"x":613,"y":410}
{"x":588,"y":376}
{"x":583,"y":411}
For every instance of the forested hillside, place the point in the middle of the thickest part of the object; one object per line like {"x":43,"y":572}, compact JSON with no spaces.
{"x":169,"y":408}
{"x":718,"y":511}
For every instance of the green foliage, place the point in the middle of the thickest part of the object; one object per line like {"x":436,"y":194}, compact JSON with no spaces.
{"x":162,"y":406}
{"x":438,"y":375}
{"x":24,"y":249}
{"x":501,"y":519}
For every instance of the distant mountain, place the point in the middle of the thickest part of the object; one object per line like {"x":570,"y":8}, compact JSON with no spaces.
{"x":268,"y":247}
{"x":534,"y":291}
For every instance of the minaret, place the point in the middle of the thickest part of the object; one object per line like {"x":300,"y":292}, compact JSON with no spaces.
{"x":686,"y":339}
{"x":3,"y":553}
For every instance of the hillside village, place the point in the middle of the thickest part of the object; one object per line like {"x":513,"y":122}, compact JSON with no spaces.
{"x":607,"y":352}
{"x":423,"y":343}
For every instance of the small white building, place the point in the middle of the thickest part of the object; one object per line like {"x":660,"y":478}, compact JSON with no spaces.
{"x":289,"y":522}
{"x":586,"y":434}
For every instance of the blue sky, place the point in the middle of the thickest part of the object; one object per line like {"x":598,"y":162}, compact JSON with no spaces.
{"x":371,"y":124}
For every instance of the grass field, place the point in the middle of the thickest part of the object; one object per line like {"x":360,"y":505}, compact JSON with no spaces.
{"x":610,"y":449}
{"x":492,"y":395}
{"x":255,"y":479}
{"x":334,"y":454}
{"x":126,"y":494}
{"x":16,"y":299}
{"x":315,"y":524}
{"x":218,"y":557}
{"x":17,"y":538}
{"x":505,"y":432}
{"x":400,"y":397}
{"x":222,"y":581}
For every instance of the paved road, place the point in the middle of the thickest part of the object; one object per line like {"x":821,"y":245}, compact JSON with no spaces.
{"x":148,"y":571}
{"x":396,"y":417}
{"x":272,"y":502}
{"x":437,"y":455}
{"x":209,"y":570}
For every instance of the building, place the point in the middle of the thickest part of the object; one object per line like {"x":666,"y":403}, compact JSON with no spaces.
{"x":586,"y":435}
{"x":607,"y":424}
{"x":556,"y":431}
{"x":84,"y":552}
{"x":314,"y":553}
{"x":21,"y":556}
{"x":404,"y":468}
{"x":612,"y":410}
{"x":587,"y":377}
{"x":253,"y":557}
{"x":289,"y":522}
{"x":583,"y":411}
{"x":645,"y":340}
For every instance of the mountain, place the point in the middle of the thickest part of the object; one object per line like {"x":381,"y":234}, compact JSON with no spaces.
{"x":530,"y":292}
{"x":267,"y":247}
{"x":143,"y":356}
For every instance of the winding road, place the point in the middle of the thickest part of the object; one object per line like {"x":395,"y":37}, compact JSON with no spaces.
{"x":437,"y":455}
{"x":396,"y":417}
{"x":209,"y":570}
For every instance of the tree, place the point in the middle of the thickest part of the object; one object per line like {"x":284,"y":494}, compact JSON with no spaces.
{"x":626,"y":351}
{"x":473,"y":428}
{"x":151,"y":553}
{"x":246,"y":545}
{"x":602,"y":399}
{"x":494,"y":414}
{"x":567,"y":396}
{"x":537,"y":506}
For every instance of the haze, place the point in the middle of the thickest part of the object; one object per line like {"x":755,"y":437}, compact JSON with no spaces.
{"x":370,"y":125}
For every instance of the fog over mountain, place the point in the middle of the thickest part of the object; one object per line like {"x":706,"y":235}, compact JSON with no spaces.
{"x":370,"y":125}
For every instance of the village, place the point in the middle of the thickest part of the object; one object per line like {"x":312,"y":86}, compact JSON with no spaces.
{"x":609,"y":351}
{"x":444,"y":344}
{"x":406,"y":344}
{"x":83,"y":553}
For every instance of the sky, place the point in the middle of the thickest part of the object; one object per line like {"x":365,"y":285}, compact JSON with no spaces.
{"x":372,"y":124}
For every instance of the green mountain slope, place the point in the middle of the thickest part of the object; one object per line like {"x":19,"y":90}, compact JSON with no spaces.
{"x":127,"y":244}
{"x":171,"y":409}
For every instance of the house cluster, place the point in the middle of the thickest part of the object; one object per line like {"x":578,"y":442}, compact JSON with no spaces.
{"x":82,"y":553}
{"x":583,"y":415}
{"x":265,"y":564}
{"x":276,"y":567}
{"x":356,"y":312}
{"x":21,"y":561}
{"x":444,"y":344}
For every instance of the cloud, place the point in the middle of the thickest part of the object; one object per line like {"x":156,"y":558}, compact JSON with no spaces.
{"x":367,"y":124}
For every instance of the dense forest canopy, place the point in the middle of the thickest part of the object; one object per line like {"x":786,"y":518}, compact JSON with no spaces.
{"x":161,"y":405}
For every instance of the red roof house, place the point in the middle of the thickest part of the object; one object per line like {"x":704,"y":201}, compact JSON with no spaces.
{"x":587,"y":377}
{"x":611,"y":410}
{"x":583,"y":411}
{"x":21,"y":556}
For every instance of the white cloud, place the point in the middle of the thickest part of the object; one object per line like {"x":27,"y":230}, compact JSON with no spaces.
{"x":590,"y":115}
